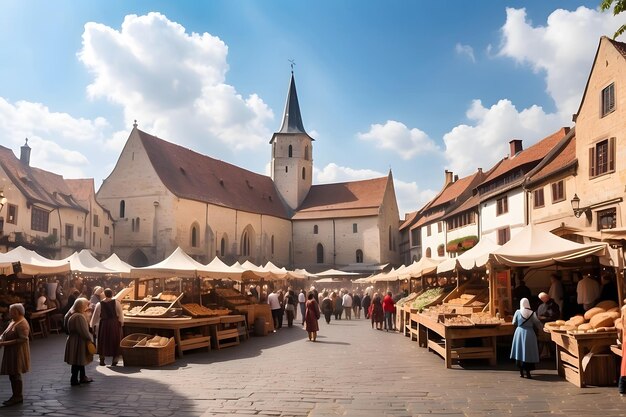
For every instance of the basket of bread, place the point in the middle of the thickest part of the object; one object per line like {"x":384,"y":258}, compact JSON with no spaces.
{"x":601,"y":318}
{"x":147,"y":350}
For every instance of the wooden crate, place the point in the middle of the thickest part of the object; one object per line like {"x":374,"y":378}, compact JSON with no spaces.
{"x":146,"y":355}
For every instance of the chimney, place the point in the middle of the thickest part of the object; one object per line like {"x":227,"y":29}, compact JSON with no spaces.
{"x":25,"y":153}
{"x":456,"y":178}
{"x":515,"y":147}
{"x":448,"y":177}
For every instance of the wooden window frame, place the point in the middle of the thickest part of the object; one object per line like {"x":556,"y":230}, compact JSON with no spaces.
{"x":12,"y":219}
{"x":507,"y":235}
{"x":502,"y":205}
{"x":536,"y":199}
{"x":607,"y":100}
{"x":39,"y":219}
{"x":558,"y":191}
{"x":595,"y":164}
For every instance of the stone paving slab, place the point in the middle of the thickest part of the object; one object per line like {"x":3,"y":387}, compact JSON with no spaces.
{"x":351,"y":371}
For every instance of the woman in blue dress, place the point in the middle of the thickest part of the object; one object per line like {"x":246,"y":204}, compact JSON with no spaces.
{"x":525,"y":350}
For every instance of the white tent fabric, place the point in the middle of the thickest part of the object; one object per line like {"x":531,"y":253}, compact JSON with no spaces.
{"x":218,"y":269}
{"x":178,"y":264}
{"x":418,"y":268}
{"x":473,"y":258}
{"x":115,"y":263}
{"x":32,"y":263}
{"x":252,"y":271}
{"x":297,"y":273}
{"x":275,"y":272}
{"x":84,"y":262}
{"x":335,"y":273}
{"x":532,"y":246}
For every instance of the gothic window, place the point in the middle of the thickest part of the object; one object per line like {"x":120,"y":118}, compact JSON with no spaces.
{"x":245,"y":244}
{"x":290,"y":151}
{"x":272,"y":244}
{"x":359,"y":256}
{"x":122,"y":209}
{"x":303,"y":173}
{"x":320,"y":253}
{"x":223,"y":247}
{"x":194,"y":236}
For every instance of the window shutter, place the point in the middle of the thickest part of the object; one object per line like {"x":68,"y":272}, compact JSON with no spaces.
{"x":592,"y":162}
{"x":611,"y":154}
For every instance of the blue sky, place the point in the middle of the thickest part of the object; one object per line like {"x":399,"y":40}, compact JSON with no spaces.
{"x":416,"y":87}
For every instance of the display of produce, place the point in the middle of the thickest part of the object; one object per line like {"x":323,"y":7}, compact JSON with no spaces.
{"x":133,"y":311}
{"x":406,"y":300}
{"x":426,"y":298}
{"x":153,"y":311}
{"x":196,"y":310}
{"x":463,"y":299}
{"x":485,"y":319}
{"x":458,"y":321}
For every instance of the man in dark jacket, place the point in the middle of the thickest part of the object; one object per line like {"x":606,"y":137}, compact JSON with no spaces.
{"x":365,"y":303}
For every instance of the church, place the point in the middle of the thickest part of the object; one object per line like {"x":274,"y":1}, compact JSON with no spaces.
{"x":162,"y":195}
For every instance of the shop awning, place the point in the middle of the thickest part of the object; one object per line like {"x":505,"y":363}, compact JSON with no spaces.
{"x":219,"y":270}
{"x":535,"y":247}
{"x":474,"y":258}
{"x":422,"y":267}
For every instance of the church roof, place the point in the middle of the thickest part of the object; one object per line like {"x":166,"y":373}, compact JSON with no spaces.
{"x":37,"y":185}
{"x":292,"y":118}
{"x":194,"y":176}
{"x":345,"y":199}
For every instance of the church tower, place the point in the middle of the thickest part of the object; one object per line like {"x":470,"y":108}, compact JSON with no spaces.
{"x":292,"y":153}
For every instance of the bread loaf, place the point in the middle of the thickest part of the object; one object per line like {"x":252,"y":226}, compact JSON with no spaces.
{"x":607,"y":304}
{"x":602,"y":320}
{"x":576,"y":321}
{"x":585,"y":327}
{"x":589,"y":314}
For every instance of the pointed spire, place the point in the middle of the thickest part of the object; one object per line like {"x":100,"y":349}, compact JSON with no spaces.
{"x":292,"y":119}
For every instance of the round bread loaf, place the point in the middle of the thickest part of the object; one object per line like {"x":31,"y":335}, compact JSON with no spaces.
{"x":567,"y":327}
{"x":602,"y":320}
{"x":585,"y":327}
{"x":610,"y":310}
{"x":592,"y":312}
{"x":560,"y":322}
{"x":576,"y":321}
{"x":607,"y":304}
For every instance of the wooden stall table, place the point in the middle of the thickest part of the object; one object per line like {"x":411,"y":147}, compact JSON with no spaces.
{"x":449,"y":341}
{"x":200,"y":325}
{"x":571,"y":350}
{"x":227,"y":332}
{"x":42,"y":318}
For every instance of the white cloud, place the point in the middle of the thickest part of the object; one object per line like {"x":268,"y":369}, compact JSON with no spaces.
{"x":409,"y":195}
{"x":397,"y":137}
{"x":172,"y":82}
{"x":562,"y":50}
{"x":480,"y":145}
{"x":465,"y":50}
{"x":52,"y":136}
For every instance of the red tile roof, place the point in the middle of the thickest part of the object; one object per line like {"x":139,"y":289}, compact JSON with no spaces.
{"x":344,"y":198}
{"x":533,"y":154}
{"x":37,"y":185}
{"x":471,"y":202}
{"x":455,"y":189}
{"x":194,"y":176}
{"x":409,"y":219}
{"x":564,"y":157}
{"x":82,"y":189}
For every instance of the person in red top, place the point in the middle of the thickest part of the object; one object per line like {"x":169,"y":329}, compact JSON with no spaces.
{"x":389,"y":308}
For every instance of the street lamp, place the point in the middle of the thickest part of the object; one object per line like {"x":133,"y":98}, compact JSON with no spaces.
{"x":3,"y":200}
{"x":578,"y":211}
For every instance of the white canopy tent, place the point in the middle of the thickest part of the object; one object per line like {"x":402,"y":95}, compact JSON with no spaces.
{"x":85,"y":263}
{"x":115,"y":263}
{"x":533,"y":247}
{"x":474,"y":258}
{"x":32,"y":263}
{"x":218,"y":269}
{"x":418,"y":268}
{"x":178,"y":264}
{"x":336,"y":273}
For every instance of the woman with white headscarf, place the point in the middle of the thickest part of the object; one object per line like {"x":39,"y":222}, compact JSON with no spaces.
{"x":525,"y":350}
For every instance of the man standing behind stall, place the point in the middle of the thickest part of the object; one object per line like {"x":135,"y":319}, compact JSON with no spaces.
{"x":588,"y":291}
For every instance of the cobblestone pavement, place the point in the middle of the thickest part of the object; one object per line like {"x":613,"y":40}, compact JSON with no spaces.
{"x":351,"y":370}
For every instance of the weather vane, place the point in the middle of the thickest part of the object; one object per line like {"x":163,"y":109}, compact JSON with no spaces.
{"x":293,"y":62}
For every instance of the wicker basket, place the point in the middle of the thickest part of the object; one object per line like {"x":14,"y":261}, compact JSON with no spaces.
{"x":146,"y":355}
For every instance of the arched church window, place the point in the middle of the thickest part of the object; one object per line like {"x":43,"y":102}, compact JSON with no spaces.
{"x":290,"y":151}
{"x":245,"y":244}
{"x":303,"y":173}
{"x":359,"y":256}
{"x":194,"y":236}
{"x":222,"y":247}
{"x":272,"y":244}
{"x":428,"y":253}
{"x":122,"y":208}
{"x":320,"y":253}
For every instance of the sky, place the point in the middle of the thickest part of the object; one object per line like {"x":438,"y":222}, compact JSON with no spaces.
{"x":414,"y":87}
